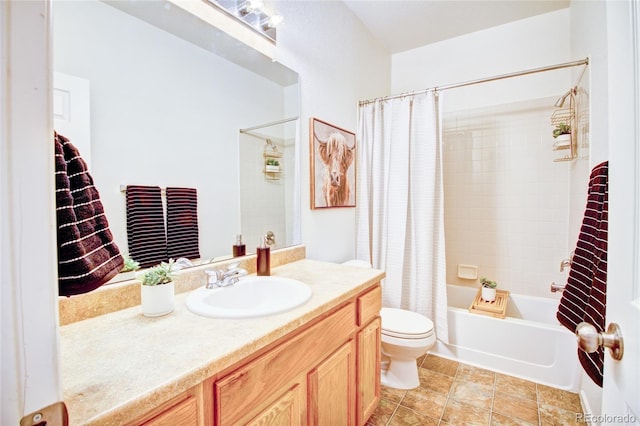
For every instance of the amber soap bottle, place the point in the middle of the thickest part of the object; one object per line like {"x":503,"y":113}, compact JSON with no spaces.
{"x":263,"y":263}
{"x":239,"y":249}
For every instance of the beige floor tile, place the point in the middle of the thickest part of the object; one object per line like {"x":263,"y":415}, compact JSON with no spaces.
{"x":554,"y":416}
{"x":480,"y":376}
{"x":425,"y":401}
{"x":559,"y":398}
{"x":406,"y":417}
{"x":421,"y":359}
{"x":479,"y":396}
{"x":434,"y":381}
{"x":515,"y":386}
{"x":441,"y":365}
{"x":392,"y":394}
{"x":474,"y":396}
{"x":458,"y":413}
{"x":500,"y":420}
{"x":516,"y":408}
{"x":383,"y":413}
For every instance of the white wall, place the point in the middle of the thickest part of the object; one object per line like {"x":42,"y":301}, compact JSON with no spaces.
{"x":339,"y":64}
{"x":529,"y":43}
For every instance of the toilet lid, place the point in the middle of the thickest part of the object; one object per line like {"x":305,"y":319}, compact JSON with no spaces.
{"x":403,"y":323}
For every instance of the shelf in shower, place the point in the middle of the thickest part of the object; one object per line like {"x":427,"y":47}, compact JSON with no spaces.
{"x":496,"y":309}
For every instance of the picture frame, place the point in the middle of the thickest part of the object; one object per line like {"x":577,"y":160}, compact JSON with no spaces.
{"x":332,"y":152}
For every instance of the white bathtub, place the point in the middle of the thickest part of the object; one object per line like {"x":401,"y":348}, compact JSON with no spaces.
{"x":530,"y":343}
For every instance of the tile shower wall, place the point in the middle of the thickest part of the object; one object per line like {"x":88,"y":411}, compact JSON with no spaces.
{"x":507,"y":203}
{"x":263,"y":202}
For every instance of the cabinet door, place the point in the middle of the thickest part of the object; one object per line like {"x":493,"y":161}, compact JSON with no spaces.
{"x":284,"y":411}
{"x":368,"y":370}
{"x":251,"y":387}
{"x":332,"y":389}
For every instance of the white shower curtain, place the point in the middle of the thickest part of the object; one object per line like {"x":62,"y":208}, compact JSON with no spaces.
{"x":400,"y":224}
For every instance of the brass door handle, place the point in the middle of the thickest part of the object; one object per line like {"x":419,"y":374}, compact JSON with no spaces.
{"x":589,"y":340}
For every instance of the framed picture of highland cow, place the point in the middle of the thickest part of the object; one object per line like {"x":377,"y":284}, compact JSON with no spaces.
{"x":333,"y":165}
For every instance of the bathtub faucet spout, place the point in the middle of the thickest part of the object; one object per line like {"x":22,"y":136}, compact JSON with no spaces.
{"x":555,"y":287}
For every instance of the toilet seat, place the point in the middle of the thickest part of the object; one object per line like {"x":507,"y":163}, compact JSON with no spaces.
{"x":405,"y":324}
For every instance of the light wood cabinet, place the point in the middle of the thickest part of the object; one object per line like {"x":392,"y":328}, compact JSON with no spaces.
{"x":325,"y":373}
{"x":368,"y":370}
{"x":186,"y":409}
{"x":332,"y":388}
{"x":286,"y":410}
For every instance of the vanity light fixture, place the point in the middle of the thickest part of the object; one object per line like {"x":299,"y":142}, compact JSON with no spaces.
{"x":247,"y":6}
{"x":271,"y":22}
{"x":251,"y":13}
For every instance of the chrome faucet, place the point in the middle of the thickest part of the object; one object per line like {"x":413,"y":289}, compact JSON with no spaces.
{"x":565,"y":264}
{"x":223,"y":278}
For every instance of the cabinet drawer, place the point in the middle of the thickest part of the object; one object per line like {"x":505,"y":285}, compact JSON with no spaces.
{"x":369,"y":305}
{"x":185,"y":409}
{"x":256,"y":382}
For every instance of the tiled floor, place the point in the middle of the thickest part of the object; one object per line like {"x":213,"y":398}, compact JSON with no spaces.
{"x":453,"y":393}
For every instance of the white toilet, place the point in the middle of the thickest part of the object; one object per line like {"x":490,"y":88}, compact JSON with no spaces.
{"x":406,"y":336}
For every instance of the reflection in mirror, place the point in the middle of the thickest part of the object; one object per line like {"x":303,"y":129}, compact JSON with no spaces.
{"x":267,"y":160}
{"x":167,"y":101}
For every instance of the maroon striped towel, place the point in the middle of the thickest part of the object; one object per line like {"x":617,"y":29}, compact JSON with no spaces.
{"x":182,"y":223}
{"x":145,"y":225}
{"x":87,"y":255}
{"x":585,"y":295}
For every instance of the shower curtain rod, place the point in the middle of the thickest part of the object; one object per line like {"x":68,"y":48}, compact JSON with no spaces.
{"x":584,"y":61}
{"x":274,"y":123}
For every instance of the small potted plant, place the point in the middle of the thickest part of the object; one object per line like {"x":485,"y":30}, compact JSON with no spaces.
{"x":272,"y":165}
{"x":562,"y":134}
{"x":128,"y":270}
{"x":157,"y":290}
{"x":488,"y":289}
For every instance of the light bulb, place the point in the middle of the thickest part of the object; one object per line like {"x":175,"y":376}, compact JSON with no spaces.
{"x":271,"y":22}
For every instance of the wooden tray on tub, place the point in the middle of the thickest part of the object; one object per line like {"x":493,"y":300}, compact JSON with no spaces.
{"x":496,"y":309}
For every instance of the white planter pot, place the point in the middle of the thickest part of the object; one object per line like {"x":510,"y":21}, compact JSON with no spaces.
{"x":157,"y":300}
{"x":272,"y":169}
{"x":562,"y":140}
{"x":488,"y":294}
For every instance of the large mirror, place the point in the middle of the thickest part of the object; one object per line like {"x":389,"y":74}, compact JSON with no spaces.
{"x":155,"y":96}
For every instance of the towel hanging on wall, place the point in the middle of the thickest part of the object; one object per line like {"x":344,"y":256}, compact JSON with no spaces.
{"x":145,"y":225}
{"x":585,"y":295}
{"x":87,"y":255}
{"x":182,"y":223}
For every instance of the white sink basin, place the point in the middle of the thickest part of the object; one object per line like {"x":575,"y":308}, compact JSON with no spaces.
{"x":249,"y":298}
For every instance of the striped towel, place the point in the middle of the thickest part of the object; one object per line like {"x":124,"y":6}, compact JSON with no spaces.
{"x":182,"y":223}
{"x":87,"y":255}
{"x":145,"y":225}
{"x":585,"y":295}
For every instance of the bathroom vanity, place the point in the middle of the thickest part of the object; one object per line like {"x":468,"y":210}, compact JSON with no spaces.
{"x":316,"y":364}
